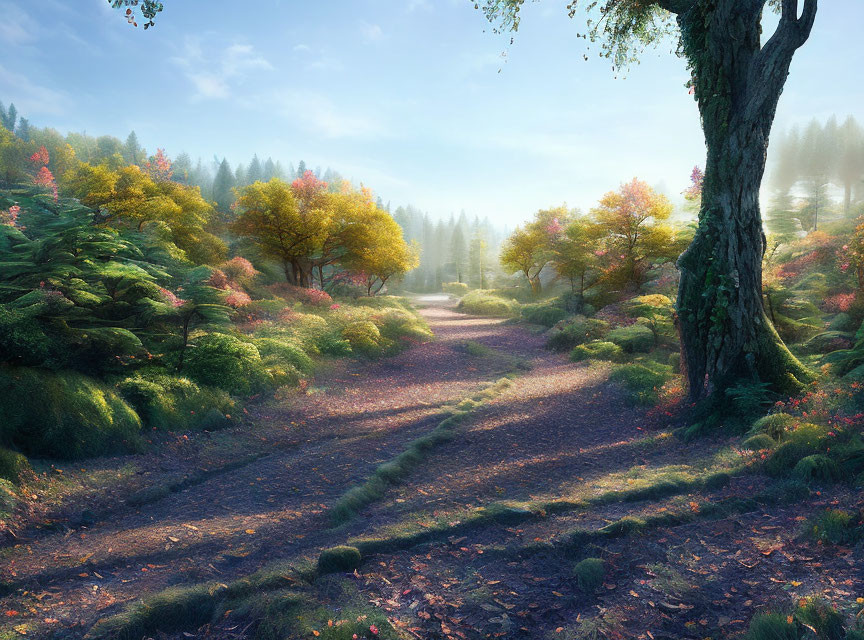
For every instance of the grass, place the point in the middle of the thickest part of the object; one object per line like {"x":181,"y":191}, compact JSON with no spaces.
{"x":482,"y":303}
{"x":641,"y":382}
{"x":834,"y":526}
{"x":395,"y":470}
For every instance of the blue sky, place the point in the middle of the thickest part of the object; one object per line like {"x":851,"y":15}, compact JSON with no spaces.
{"x":403,"y":95}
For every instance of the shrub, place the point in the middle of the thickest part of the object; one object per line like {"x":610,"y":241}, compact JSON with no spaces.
{"x":339,"y":559}
{"x":590,"y":573}
{"x":759,"y":442}
{"x":636,"y":338}
{"x":544,"y":314}
{"x":817,"y":468}
{"x":804,"y":441}
{"x":772,"y":626}
{"x":483,"y":303}
{"x":364,"y":337}
{"x":833,"y":526}
{"x":12,"y":465}
{"x":827,"y":342}
{"x":398,"y":324}
{"x":273,"y":350}
{"x":579,"y":331}
{"x":821,"y":617}
{"x":172,"y":402}
{"x":331,"y":345}
{"x":598,"y":351}
{"x":775,"y":425}
{"x":64,"y":415}
{"x":226,"y":362}
{"x":312,"y":297}
{"x":454,"y":288}
{"x":642,"y":383}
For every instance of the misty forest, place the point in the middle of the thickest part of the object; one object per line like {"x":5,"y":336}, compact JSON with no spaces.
{"x":261,"y":381}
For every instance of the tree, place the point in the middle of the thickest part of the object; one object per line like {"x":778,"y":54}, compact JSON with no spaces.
{"x":737,"y":82}
{"x":457,"y":250}
{"x":254,"y":173}
{"x":576,"y":256}
{"x":478,"y":258}
{"x":850,"y":164}
{"x":635,"y":236}
{"x":223,"y":184}
{"x":132,"y":151}
{"x":529,"y":249}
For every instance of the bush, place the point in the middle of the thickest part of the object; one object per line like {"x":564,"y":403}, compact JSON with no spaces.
{"x":833,"y":526}
{"x":173,"y":403}
{"x":364,"y":337}
{"x":64,"y":415}
{"x":339,"y":559}
{"x":598,"y":351}
{"x":772,"y":626}
{"x":455,"y":288}
{"x":544,"y":314}
{"x":817,"y":468}
{"x":636,"y":338}
{"x":827,"y":342}
{"x":775,"y":425}
{"x":330,"y":345}
{"x":590,"y":574}
{"x":804,"y":441}
{"x":273,"y":350}
{"x":642,"y":383}
{"x":226,"y":362}
{"x":398,"y":324}
{"x":759,"y":442}
{"x":579,"y":331}
{"x":12,"y":465}
{"x":821,"y":617}
{"x":483,"y":303}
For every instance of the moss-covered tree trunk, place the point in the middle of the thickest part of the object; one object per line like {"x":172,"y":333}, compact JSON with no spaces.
{"x":726,"y":335}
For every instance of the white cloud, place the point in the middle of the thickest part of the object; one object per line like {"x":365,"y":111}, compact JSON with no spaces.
{"x":318,"y":114}
{"x":214,"y":76}
{"x":29,"y":97}
{"x":371,"y":32}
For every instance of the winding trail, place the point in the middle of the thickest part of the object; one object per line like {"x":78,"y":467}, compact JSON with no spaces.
{"x":315,"y":447}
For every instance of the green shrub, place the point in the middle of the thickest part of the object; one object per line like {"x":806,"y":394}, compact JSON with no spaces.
{"x":483,"y":303}
{"x":399,"y":324}
{"x":598,"y":351}
{"x":364,"y":337}
{"x":842,"y":322}
{"x":579,"y":331}
{"x":454,"y":288}
{"x":590,"y":574}
{"x":545,"y":314}
{"x":817,"y":468}
{"x":759,"y":442}
{"x":64,"y":415}
{"x":775,"y":425}
{"x":273,"y":350}
{"x":339,"y":559}
{"x":772,"y":626}
{"x":173,"y":403}
{"x":330,"y":345}
{"x":226,"y":362}
{"x":12,"y":465}
{"x":820,"y":616}
{"x":636,"y":338}
{"x":674,"y":361}
{"x":642,"y":383}
{"x":827,"y":342}
{"x":834,"y":526}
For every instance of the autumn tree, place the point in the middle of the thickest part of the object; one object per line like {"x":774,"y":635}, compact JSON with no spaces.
{"x":737,"y":82}
{"x":636,"y":238}
{"x":528,"y":250}
{"x":576,"y":256}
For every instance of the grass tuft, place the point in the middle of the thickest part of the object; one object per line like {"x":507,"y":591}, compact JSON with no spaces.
{"x":339,"y":559}
{"x":590,"y":574}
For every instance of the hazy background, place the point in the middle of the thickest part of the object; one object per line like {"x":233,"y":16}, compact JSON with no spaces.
{"x":404,"y":95}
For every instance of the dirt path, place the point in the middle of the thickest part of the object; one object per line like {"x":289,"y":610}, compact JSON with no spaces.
{"x":232,"y":523}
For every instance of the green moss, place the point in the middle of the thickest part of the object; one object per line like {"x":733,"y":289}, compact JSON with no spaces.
{"x":642,"y":383}
{"x":12,"y":465}
{"x":636,"y":338}
{"x":578,"y":331}
{"x":598,"y":351}
{"x":590,"y":574}
{"x":545,"y":313}
{"x":775,"y":425}
{"x":758,"y":442}
{"x":817,"y":468}
{"x":339,"y":559}
{"x":64,"y":415}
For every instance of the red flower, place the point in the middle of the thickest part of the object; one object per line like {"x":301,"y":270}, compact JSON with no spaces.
{"x":373,"y":629}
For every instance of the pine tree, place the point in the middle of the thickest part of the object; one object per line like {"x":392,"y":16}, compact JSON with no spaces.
{"x":301,"y":169}
{"x":458,"y":252}
{"x":269,"y":170}
{"x":132,"y":152}
{"x":254,"y":173}
{"x":23,"y":130}
{"x":10,"y":117}
{"x":222,"y":185}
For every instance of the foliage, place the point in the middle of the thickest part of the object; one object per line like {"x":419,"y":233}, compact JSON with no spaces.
{"x":339,"y":559}
{"x":454,"y":288}
{"x":483,"y":303}
{"x":226,"y":362}
{"x":545,"y":314}
{"x":13,"y":465}
{"x":635,"y":338}
{"x":598,"y":351}
{"x":834,"y":526}
{"x":577,"y":331}
{"x":590,"y":574}
{"x":642,"y":382}
{"x":528,"y":249}
{"x":70,"y":416}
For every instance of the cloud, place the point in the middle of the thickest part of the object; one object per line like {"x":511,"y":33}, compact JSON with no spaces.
{"x":16,"y":27}
{"x":371,"y":32}
{"x":214,"y":77}
{"x":318,"y":114}
{"x":30,"y":97}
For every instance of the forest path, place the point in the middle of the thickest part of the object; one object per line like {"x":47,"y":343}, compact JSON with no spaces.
{"x":231,"y":524}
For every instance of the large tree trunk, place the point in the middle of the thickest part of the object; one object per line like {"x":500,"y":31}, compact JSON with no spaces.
{"x":725,"y":334}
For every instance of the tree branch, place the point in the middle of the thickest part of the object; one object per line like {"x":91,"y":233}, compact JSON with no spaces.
{"x":676,"y":6}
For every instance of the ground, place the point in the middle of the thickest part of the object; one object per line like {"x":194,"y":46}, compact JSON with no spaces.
{"x":559,"y":447}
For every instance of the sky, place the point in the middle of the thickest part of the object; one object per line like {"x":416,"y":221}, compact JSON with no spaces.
{"x":416,"y":99}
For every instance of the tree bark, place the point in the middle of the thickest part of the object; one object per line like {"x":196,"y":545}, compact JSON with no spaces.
{"x":726,"y":336}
